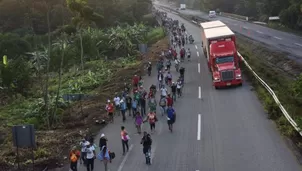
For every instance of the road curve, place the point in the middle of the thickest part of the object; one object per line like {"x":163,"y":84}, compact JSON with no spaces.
{"x":215,"y":130}
{"x":278,"y":40}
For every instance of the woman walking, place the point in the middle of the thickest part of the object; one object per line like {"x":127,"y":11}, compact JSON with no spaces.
{"x":125,"y":138}
{"x":151,"y":118}
{"x":138,"y":122}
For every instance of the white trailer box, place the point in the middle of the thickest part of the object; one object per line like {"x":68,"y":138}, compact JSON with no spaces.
{"x":182,"y":6}
{"x":209,"y":25}
{"x":216,"y":33}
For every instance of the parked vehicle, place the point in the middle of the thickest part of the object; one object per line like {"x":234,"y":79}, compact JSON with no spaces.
{"x":212,"y":14}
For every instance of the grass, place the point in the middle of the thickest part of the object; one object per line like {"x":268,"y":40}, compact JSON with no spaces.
{"x":100,"y":79}
{"x":278,"y":26}
{"x":155,"y":35}
{"x":233,"y":15}
{"x":279,"y":82}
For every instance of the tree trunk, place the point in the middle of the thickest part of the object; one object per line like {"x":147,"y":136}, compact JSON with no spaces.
{"x":82,"y":50}
{"x":46,"y":99}
{"x":60,"y":78}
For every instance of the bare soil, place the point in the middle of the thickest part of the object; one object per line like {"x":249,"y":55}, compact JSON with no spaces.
{"x":81,"y":119}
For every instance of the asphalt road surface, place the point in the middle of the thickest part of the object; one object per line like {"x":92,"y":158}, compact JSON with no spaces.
{"x":215,"y":130}
{"x":277,"y":40}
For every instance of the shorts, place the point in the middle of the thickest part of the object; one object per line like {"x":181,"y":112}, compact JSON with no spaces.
{"x":110,"y":114}
{"x":178,"y":90}
{"x":189,"y":56}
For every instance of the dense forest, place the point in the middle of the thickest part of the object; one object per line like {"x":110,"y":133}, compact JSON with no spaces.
{"x":52,"y":49}
{"x":290,"y":11}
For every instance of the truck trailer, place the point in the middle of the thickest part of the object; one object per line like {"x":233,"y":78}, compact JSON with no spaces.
{"x":219,"y":44}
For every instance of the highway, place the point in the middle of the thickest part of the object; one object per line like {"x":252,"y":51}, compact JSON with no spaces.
{"x":274,"y":39}
{"x":215,"y":130}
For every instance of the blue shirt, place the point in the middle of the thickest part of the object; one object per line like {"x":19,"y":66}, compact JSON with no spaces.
{"x":123,"y":106}
{"x":134,"y":104}
{"x":170,"y":113}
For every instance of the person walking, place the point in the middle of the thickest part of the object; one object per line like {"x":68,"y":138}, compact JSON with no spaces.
{"x":134,"y":107}
{"x":110,"y":110}
{"x":138,"y":122}
{"x":125,"y":138}
{"x":151,"y":118}
{"x":163,"y":104}
{"x":90,"y":156}
{"x":129,"y":103}
{"x":83,"y":145}
{"x":74,"y":156}
{"x":104,"y":156}
{"x":147,"y":142}
{"x":123,"y":109}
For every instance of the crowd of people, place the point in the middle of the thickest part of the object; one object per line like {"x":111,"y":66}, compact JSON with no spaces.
{"x":139,"y":104}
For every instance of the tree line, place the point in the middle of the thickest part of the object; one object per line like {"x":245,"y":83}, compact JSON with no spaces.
{"x":289,"y":11}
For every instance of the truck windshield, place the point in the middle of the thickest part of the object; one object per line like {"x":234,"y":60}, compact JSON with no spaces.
{"x":225,"y":59}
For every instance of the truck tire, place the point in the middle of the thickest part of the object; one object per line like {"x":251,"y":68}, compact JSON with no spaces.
{"x":216,"y":87}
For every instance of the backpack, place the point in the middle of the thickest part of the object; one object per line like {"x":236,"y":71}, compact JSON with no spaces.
{"x":162,"y":102}
{"x":73,"y":157}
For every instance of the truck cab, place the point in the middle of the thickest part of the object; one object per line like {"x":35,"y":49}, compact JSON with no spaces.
{"x":224,"y":64}
{"x":219,"y":44}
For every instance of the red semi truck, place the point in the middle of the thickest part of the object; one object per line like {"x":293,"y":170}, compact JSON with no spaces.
{"x":219,"y":46}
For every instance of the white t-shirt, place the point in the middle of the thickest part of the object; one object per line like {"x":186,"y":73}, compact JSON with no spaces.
{"x":117,"y":101}
{"x":163,"y":91}
{"x":178,"y":85}
{"x":188,"y":52}
{"x":83,"y":146}
{"x":176,"y":61}
{"x":90,"y":153}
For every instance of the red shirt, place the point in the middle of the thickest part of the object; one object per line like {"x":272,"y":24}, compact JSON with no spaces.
{"x":169,"y":101}
{"x":135,"y":80}
{"x":110,"y":108}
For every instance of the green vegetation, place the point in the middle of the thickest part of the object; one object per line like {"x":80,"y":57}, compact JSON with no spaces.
{"x":290,"y":11}
{"x":286,"y":88}
{"x":52,"y":49}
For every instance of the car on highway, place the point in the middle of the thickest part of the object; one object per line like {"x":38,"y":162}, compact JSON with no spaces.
{"x":212,"y":14}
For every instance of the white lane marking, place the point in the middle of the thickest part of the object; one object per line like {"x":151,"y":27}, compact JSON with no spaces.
{"x":259,"y":32}
{"x":245,"y":28}
{"x":277,"y":38}
{"x":235,"y":24}
{"x":199,"y":92}
{"x":196,"y":47}
{"x":198,"y":127}
{"x":197,"y":53}
{"x":198,"y":67}
{"x":125,"y":158}
{"x":298,"y":44}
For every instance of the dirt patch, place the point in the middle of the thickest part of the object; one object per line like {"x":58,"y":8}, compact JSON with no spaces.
{"x":81,"y":119}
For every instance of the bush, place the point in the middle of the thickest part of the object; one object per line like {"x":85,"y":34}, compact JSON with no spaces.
{"x":155,"y":34}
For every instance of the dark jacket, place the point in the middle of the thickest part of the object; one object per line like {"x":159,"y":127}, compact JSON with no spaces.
{"x":146,"y":141}
{"x":103,"y":142}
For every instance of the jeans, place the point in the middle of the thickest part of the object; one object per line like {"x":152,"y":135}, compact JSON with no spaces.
{"x":90,"y":164}
{"x":143,"y":108}
{"x":125,"y":145}
{"x":124,"y":114}
{"x":134,"y":111}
